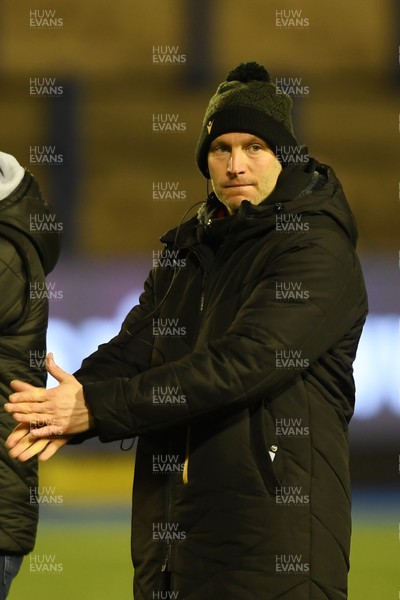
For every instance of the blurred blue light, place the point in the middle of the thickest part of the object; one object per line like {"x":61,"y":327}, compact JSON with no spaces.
{"x":376,"y":369}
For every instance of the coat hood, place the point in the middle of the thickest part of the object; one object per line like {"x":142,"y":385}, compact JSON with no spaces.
{"x":310,"y":190}
{"x":26,"y":210}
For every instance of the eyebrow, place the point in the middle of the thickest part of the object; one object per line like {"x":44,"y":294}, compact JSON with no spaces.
{"x":252,"y":139}
{"x":255,"y":139}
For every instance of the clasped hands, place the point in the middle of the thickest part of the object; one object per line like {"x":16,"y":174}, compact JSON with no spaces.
{"x":47,"y":417}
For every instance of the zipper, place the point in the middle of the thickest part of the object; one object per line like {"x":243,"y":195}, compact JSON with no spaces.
{"x":168,"y":552}
{"x":167,"y":558}
{"x":185,"y":472}
{"x":202,"y":298}
{"x":202,"y":302}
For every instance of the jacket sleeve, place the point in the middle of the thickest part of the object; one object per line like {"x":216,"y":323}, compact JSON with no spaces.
{"x":248,"y":362}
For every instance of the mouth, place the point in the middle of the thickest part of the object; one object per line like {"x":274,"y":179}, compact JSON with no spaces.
{"x":238,"y":185}
{"x":238,"y":189}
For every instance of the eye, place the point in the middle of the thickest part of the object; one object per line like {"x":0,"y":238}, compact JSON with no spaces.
{"x":219,"y":149}
{"x":255,"y":148}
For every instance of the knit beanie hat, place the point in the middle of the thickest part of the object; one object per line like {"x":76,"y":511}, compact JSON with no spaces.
{"x":247,"y":102}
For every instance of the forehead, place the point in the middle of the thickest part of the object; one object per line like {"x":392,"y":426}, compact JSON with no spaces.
{"x":236,"y":138}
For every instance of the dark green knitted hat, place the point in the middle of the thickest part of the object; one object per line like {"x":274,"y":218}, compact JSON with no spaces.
{"x":247,"y":102}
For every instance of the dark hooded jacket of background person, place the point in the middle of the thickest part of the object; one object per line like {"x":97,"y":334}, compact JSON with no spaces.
{"x":29,"y":249}
{"x":235,"y":372}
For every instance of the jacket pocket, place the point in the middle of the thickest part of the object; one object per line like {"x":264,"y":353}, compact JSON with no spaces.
{"x":266,"y":448}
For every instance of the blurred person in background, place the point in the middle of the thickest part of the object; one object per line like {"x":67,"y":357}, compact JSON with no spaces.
{"x":27,"y":253}
{"x":235,"y":371}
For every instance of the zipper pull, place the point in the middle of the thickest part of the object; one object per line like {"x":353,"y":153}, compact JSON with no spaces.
{"x":185,"y":472}
{"x":272,"y":452}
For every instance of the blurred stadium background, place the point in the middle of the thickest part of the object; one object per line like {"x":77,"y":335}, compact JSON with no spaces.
{"x":82,"y":82}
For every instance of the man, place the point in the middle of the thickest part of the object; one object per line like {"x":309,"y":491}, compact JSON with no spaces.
{"x":235,"y":371}
{"x":27,"y":254}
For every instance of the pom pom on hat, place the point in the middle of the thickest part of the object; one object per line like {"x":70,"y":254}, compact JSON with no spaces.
{"x":248,"y":72}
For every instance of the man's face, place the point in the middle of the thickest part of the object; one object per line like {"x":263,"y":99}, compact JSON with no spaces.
{"x":242,"y":167}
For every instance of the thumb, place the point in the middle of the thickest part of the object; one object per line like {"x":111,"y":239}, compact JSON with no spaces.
{"x":56,"y":371}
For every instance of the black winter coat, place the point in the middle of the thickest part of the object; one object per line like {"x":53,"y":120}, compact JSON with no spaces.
{"x":235,"y":371}
{"x":29,"y":248}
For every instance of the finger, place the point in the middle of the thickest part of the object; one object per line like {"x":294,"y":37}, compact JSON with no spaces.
{"x":47,"y":431}
{"x":28,"y":447}
{"x":19,"y":432}
{"x":28,"y":450}
{"x":20,"y":386}
{"x":23,"y":444}
{"x":56,"y":371}
{"x":34,"y":394}
{"x":52,"y":448}
{"x":31,"y":411}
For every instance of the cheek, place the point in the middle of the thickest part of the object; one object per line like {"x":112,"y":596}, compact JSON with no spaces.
{"x":214,"y":172}
{"x":270,"y":177}
{"x":273,"y":170}
{"x":210,"y":168}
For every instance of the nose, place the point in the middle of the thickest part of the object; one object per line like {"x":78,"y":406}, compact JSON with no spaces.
{"x":236,"y":162}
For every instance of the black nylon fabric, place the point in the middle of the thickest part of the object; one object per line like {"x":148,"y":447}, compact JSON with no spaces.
{"x":246,"y":525}
{"x":23,"y":325}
